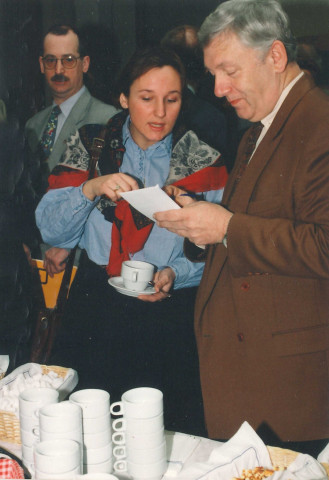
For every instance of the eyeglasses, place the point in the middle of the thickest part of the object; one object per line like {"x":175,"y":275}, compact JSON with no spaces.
{"x":68,"y":61}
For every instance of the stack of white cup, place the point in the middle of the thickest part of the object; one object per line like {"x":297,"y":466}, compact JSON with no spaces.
{"x":96,"y":428}
{"x":139,"y":438}
{"x":57,"y":459}
{"x":30,"y":401}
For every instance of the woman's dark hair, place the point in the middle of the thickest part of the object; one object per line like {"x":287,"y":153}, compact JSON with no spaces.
{"x":144,"y":60}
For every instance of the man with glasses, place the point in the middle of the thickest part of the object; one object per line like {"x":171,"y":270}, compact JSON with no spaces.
{"x":63,"y":63}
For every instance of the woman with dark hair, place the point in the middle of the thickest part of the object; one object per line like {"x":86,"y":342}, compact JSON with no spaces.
{"x":116,"y":341}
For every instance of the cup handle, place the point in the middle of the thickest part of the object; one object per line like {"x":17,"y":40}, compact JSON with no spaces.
{"x":119,"y":438}
{"x":119,"y":452}
{"x":114,"y":406}
{"x":119,"y":424}
{"x":36,"y":432}
{"x":120,"y":466}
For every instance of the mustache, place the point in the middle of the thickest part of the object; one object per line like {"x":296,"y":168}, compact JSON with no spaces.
{"x":59,"y":78}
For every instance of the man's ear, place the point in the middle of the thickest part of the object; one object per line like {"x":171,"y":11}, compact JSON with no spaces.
{"x":123,"y":100}
{"x":85,"y":64}
{"x":42,"y":68}
{"x":279,"y":56}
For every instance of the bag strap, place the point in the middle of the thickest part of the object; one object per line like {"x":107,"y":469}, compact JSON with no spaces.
{"x":96,"y":150}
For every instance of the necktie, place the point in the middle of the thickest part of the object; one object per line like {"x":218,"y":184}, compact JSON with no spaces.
{"x":254,"y":134}
{"x":48,"y":137}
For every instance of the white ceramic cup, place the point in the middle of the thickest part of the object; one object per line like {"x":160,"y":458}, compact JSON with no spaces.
{"x":27,"y":423}
{"x":97,"y":440}
{"x":102,"y":467}
{"x":147,"y":455}
{"x":144,"y":440}
{"x":96,"y":424}
{"x":57,"y":456}
{"x":27,"y":453}
{"x":142,"y":402}
{"x":141,"y":471}
{"x":60,"y":417}
{"x":136,"y":274}
{"x":72,"y":475}
{"x":72,"y":435}
{"x":94,"y":402}
{"x":29,"y":438}
{"x":97,"y":455}
{"x":32,"y":399}
{"x":138,"y":425}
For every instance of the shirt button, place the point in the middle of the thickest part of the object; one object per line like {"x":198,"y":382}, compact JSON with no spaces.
{"x":245,"y":286}
{"x":240,"y":337}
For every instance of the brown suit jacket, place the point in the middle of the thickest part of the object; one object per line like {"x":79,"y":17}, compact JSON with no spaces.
{"x":262,"y":310}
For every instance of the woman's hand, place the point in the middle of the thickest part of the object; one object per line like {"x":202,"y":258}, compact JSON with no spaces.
{"x":180,"y":196}
{"x":163,"y":281}
{"x":109,"y":185}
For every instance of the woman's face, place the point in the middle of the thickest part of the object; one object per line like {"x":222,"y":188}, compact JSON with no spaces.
{"x":154,"y":102}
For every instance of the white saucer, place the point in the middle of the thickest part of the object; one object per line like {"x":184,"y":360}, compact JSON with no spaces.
{"x":117,"y":283}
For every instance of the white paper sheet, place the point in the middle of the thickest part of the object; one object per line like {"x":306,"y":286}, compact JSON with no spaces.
{"x":150,"y":200}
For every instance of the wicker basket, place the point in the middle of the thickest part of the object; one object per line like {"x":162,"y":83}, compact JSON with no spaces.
{"x":282,"y":458}
{"x":9,"y":423}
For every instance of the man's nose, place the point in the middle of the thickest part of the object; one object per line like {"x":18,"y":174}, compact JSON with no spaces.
{"x":222,"y":86}
{"x":59,"y":66}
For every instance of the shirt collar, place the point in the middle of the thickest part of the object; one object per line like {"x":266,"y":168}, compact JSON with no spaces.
{"x":269,"y":118}
{"x":68,"y":104}
{"x":165,"y":142}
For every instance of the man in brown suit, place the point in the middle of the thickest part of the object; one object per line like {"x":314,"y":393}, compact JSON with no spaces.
{"x":262,"y":310}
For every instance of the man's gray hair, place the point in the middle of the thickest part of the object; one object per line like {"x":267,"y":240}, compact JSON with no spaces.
{"x":257,"y":23}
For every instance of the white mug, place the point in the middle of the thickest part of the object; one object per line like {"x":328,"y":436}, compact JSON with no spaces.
{"x":136,"y":274}
{"x":145,"y":471}
{"x":72,"y":435}
{"x":31,"y":400}
{"x":138,"y":425}
{"x":102,"y":467}
{"x":144,"y":440}
{"x":28,"y":437}
{"x":96,"y":424}
{"x":147,"y":455}
{"x":94,"y":402}
{"x":97,"y":455}
{"x":57,"y":456}
{"x":60,"y":417}
{"x":39,"y":475}
{"x":98,"y":439}
{"x":142,"y":402}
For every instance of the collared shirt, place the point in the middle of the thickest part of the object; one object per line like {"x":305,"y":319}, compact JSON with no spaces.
{"x":267,"y":121}
{"x":66,"y":108}
{"x":66,"y":217}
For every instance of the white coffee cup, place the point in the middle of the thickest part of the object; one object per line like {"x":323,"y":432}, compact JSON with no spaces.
{"x":144,"y":440}
{"x":71,"y":435}
{"x":72,"y":475}
{"x":28,"y":423}
{"x":102,"y":467}
{"x":147,"y":455}
{"x":97,"y":455}
{"x":96,"y":424}
{"x":98,"y":439}
{"x":142,"y":402}
{"x":138,"y":425}
{"x":146,"y":471}
{"x":57,"y":456}
{"x":136,"y":274}
{"x":60,"y":417}
{"x":27,"y":453}
{"x":94,"y":402}
{"x":32,"y":399}
{"x":29,"y":438}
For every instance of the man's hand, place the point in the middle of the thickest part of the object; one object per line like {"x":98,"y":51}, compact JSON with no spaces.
{"x":54,"y":261}
{"x":163,"y":281}
{"x":203,"y":223}
{"x":180,"y":196}
{"x":109,"y":185}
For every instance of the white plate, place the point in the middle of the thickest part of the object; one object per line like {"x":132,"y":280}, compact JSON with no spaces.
{"x":117,"y":283}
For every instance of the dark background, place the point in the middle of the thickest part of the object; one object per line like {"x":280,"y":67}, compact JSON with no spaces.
{"x":113,"y":28}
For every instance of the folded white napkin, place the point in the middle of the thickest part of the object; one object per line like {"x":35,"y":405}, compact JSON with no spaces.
{"x":245,"y":450}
